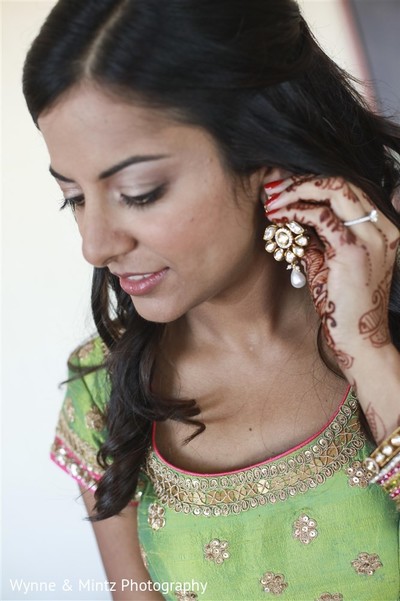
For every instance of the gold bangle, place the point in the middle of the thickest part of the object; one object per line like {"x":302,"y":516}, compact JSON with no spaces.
{"x":383,"y":454}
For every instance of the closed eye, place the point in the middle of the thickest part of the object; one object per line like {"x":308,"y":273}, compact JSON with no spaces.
{"x":144,"y":199}
{"x":73,"y":202}
{"x":132,"y":201}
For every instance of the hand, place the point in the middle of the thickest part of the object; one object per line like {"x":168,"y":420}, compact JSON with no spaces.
{"x":349,"y":269}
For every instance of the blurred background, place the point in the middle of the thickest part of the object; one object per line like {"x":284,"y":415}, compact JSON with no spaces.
{"x":46,"y":287}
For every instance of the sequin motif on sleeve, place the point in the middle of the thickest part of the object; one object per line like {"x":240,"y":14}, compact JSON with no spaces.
{"x":85,"y":350}
{"x":69,"y":410}
{"x":330,"y":597}
{"x":95,"y":420}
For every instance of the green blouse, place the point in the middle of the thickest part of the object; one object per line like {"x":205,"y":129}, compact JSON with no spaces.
{"x":302,"y":526}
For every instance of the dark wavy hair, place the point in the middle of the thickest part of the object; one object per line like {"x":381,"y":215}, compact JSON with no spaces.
{"x":251,"y":74}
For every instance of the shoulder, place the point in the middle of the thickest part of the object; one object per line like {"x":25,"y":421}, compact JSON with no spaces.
{"x":81,"y":427}
{"x":88,"y":381}
{"x":91,"y":353}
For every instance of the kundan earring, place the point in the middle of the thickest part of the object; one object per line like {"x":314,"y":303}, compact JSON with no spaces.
{"x":287,"y":242}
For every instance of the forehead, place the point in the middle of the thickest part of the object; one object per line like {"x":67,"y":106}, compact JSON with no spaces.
{"x":92,"y":108}
{"x":88,"y":129}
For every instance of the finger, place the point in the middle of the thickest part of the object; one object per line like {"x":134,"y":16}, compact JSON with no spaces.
{"x":313,"y":260}
{"x":386,"y":228}
{"x":329,"y":228}
{"x":347,"y":201}
{"x":335,"y":191}
{"x":272,"y":189}
{"x":341,"y":245}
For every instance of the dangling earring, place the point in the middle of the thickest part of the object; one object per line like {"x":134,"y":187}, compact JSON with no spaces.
{"x":287,"y":242}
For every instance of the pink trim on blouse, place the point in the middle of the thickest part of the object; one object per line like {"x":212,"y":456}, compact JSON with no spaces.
{"x":71,"y":455}
{"x":275,"y":458}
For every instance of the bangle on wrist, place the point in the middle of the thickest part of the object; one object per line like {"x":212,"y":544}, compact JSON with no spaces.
{"x":384,"y":455}
{"x":383,"y":466}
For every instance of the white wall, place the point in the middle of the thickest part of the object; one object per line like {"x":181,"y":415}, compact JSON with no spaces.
{"x":45,"y":314}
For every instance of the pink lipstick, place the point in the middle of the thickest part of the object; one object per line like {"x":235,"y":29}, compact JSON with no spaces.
{"x":138,"y":284}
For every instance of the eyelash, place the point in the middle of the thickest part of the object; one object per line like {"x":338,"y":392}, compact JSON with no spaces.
{"x":131,"y":201}
{"x":144,"y":199}
{"x":72,"y":202}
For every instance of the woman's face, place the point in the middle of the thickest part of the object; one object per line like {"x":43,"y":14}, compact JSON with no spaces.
{"x":154,"y":203}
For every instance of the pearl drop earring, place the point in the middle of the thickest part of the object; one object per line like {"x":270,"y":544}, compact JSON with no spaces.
{"x":287,"y":242}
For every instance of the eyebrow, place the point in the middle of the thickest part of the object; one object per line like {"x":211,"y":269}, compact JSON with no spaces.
{"x":118,"y":167}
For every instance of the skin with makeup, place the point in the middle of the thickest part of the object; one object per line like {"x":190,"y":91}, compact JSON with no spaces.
{"x":158,"y":208}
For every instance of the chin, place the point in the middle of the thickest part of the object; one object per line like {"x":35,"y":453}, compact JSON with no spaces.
{"x":156,"y":312}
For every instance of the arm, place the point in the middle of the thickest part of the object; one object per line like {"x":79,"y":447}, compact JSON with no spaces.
{"x":378,"y":390}
{"x":118,"y":543}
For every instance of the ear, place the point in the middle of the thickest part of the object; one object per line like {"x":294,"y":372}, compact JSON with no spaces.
{"x":273,"y":174}
{"x":268,"y":175}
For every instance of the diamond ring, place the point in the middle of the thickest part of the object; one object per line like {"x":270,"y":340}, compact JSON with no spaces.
{"x":372,"y":216}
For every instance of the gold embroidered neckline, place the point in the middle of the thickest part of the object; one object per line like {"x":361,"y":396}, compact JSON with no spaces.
{"x":308,"y":441}
{"x":276,"y":479}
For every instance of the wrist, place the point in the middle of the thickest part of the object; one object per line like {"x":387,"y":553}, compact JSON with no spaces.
{"x":374,"y":365}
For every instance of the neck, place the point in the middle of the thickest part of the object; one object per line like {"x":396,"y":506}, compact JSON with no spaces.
{"x":262,"y":306}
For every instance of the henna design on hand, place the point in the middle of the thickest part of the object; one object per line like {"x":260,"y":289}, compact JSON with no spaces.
{"x":337,"y":183}
{"x":345,"y":361}
{"x":374,"y":323}
{"x":376,"y":424}
{"x":370,"y":270}
{"x":335,"y":225}
{"x":317,"y":274}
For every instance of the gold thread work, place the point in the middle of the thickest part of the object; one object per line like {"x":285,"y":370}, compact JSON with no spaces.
{"x":271,"y":482}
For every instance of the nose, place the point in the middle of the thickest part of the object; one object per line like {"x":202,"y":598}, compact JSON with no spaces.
{"x":104,"y":238}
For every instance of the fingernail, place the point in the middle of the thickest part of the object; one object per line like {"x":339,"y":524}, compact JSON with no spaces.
{"x":269,"y":213}
{"x":272,"y":185}
{"x":276,"y":201}
{"x":271,"y":198}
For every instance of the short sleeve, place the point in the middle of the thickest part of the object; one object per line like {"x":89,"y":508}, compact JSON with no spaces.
{"x":81,"y":429}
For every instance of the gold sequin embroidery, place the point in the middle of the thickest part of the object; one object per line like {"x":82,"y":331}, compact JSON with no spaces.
{"x":139,"y":490}
{"x":84,"y":451}
{"x":273,"y":583}
{"x":366,"y":563}
{"x":186,"y":596}
{"x":95,"y":420}
{"x":84,"y":351}
{"x":64,"y":459}
{"x":357,"y":475}
{"x":305,"y":529}
{"x":69,"y":410}
{"x":143,"y":556}
{"x":270,"y":482}
{"x":217,"y":551}
{"x":156,"y":516}
{"x":330,"y":597}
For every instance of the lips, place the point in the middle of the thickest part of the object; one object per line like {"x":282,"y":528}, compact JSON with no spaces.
{"x":140,"y":284}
